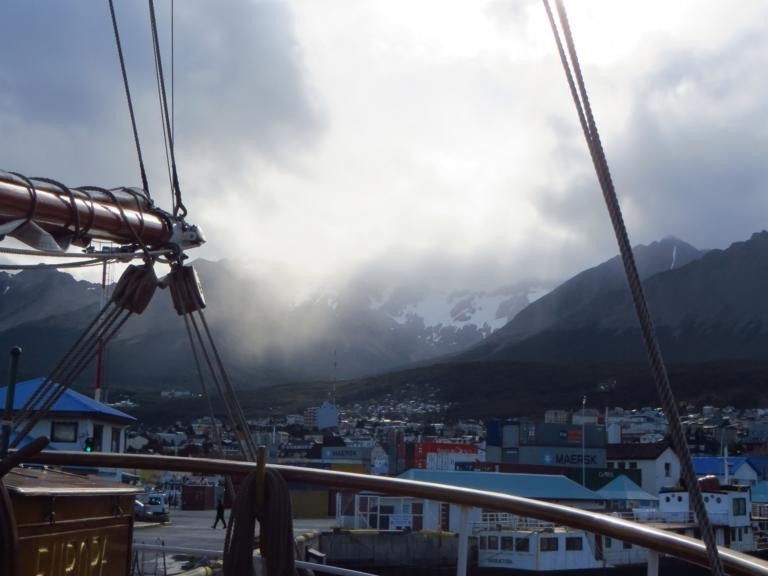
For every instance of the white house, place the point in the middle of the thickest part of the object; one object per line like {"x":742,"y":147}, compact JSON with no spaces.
{"x":74,"y":420}
{"x":659,"y":466}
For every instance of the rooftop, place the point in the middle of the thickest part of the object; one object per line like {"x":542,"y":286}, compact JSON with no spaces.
{"x":71,"y":402}
{"x":540,"y":486}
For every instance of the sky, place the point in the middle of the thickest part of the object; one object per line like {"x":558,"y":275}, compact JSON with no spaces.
{"x":323,"y":141}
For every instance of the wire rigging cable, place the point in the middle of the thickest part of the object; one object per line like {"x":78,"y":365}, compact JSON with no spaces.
{"x":131,"y":296}
{"x":658,"y":369}
{"x":178,"y":205}
{"x":144,"y":181}
{"x":188,"y":303}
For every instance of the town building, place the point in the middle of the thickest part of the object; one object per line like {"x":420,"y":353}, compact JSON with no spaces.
{"x":75,"y":421}
{"x":381,"y":512}
{"x":658,"y":465}
{"x":729,"y":470}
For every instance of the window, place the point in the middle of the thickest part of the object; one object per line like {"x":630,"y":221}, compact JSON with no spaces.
{"x":608,"y":542}
{"x":633,"y":465}
{"x":739,"y":506}
{"x":611,"y":465}
{"x":522,"y":545}
{"x":63,"y":431}
{"x":507,"y":543}
{"x":115,"y":447}
{"x":548,"y":544}
{"x":493,"y":542}
{"x":622,"y":465}
{"x":98,"y":437}
{"x":626,"y":545}
{"x":483,"y":542}
{"x":417,"y":515}
{"x":667,"y":469}
{"x":574,"y":543}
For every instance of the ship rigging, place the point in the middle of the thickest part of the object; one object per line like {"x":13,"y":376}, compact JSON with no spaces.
{"x":51,"y":218}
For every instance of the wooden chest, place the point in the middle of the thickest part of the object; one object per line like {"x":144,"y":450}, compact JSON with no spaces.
{"x":70,"y":525}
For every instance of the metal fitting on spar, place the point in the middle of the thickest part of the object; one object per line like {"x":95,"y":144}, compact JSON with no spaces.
{"x":185,"y":235}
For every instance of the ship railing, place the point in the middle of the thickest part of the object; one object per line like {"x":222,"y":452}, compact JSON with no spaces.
{"x":192,"y":552}
{"x":659,"y":541}
{"x":506,"y":521}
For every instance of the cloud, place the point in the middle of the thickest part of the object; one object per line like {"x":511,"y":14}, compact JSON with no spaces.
{"x":328,"y":140}
{"x":238,"y":82}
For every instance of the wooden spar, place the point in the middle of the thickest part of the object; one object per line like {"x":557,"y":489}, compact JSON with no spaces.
{"x":101,"y":218}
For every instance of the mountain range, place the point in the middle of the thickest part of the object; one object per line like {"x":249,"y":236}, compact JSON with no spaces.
{"x":707,"y":306}
{"x":360,"y":330}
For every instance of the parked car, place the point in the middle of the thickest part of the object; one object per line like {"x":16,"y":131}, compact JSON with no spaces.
{"x":152,"y":507}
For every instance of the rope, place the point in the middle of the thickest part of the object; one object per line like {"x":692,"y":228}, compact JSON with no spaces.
{"x":144,"y":181}
{"x":108,"y":256}
{"x":276,"y":528}
{"x":178,"y":205}
{"x":132,"y":295}
{"x":658,"y":369}
{"x":32,"y":198}
{"x":56,"y":389}
{"x":78,"y":233}
{"x":203,"y":387}
{"x":124,"y":216}
{"x":219,"y":375}
{"x":82,"y":264}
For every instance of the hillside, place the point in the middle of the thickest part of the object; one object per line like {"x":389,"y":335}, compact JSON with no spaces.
{"x":712,"y":308}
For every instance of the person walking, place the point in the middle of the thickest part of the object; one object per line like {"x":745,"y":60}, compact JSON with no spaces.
{"x":220,"y":514}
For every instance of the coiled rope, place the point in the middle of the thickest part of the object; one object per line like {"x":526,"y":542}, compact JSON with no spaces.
{"x":277,"y":542}
{"x":658,"y":369}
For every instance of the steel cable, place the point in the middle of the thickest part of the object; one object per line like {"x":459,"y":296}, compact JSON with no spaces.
{"x":59,"y":385}
{"x":178,"y":205}
{"x":658,"y":369}
{"x":144,"y":181}
{"x":218,"y":372}
{"x":25,"y":411}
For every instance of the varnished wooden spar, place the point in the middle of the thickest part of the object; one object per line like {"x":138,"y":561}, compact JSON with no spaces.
{"x":661,"y":541}
{"x":102,"y":219}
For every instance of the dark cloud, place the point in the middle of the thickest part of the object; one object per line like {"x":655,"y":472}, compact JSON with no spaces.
{"x":241,"y":79}
{"x":693,"y":156}
{"x":691,"y":159}
{"x":239,"y":87}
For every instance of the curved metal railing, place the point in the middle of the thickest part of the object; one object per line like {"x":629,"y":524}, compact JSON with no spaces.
{"x":682,"y":547}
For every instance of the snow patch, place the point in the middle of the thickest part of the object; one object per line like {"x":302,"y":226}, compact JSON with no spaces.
{"x":674,"y":257}
{"x":5,"y":291}
{"x":436,"y":310}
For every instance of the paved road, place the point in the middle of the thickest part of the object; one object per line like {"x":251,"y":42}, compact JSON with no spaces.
{"x":192,"y":529}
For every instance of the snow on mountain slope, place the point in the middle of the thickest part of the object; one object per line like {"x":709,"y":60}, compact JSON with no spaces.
{"x":491,"y":310}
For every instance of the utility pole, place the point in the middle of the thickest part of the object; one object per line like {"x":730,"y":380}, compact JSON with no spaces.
{"x":583,"y":442}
